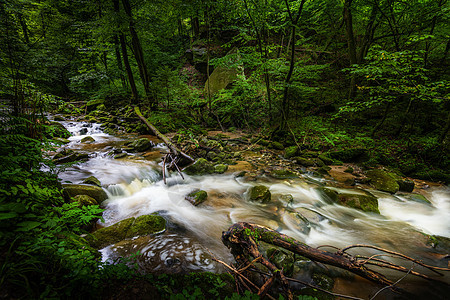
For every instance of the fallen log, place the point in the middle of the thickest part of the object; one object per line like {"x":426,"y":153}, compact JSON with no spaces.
{"x":175,"y":155}
{"x":242,"y":239}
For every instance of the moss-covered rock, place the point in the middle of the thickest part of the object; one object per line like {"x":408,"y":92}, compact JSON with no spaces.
{"x":291,"y":151}
{"x":362,"y":200}
{"x":326,"y":160}
{"x":57,"y":130}
{"x":196,"y":197}
{"x":120,"y":155}
{"x":84,"y":200}
{"x":72,"y":190}
{"x":69,"y":156}
{"x":61,"y":140}
{"x":349,"y":155}
{"x":260,"y":193}
{"x":305,"y":162}
{"x":417,"y":198}
{"x":87,"y":139}
{"x":200,"y":167}
{"x":276,"y":145}
{"x":141,"y":145}
{"x":125,"y":229}
{"x":220,"y":168}
{"x":383,"y":181}
{"x":283,"y":174}
{"x":93,"y":103}
{"x":93,"y":181}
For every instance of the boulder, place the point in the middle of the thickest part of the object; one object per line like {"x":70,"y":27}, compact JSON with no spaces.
{"x":61,"y":140}
{"x":291,"y":152}
{"x":304,"y":161}
{"x":87,"y":140}
{"x":93,"y":181}
{"x":200,"y":167}
{"x":57,"y":130}
{"x":417,"y":198}
{"x":120,"y":155}
{"x":362,"y":200}
{"x":326,"y":160}
{"x":220,"y":168}
{"x":260,"y":193}
{"x":69,"y":156}
{"x":405,"y":185}
{"x":92,"y":104}
{"x":141,"y":145}
{"x":72,"y":190}
{"x":196,"y":197}
{"x":276,"y":146}
{"x":127,"y":229}
{"x":383,"y":181}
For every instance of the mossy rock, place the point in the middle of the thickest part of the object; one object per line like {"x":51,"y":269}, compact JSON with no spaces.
{"x":383,"y":181}
{"x":94,"y":103}
{"x":84,"y":200}
{"x":120,"y":155}
{"x":146,"y":224}
{"x":141,"y":145}
{"x":364,"y":200}
{"x":73,"y":156}
{"x":87,"y":140}
{"x":417,"y":198}
{"x":305,"y":162}
{"x":283,"y":174}
{"x":260,"y":193}
{"x":200,"y":167}
{"x":126,"y":229}
{"x":440,"y":243}
{"x":58,"y":130}
{"x":196,"y":197}
{"x":72,"y":190}
{"x":276,"y":145}
{"x":291,"y":151}
{"x":350,"y":155}
{"x":61,"y":140}
{"x":220,"y":168}
{"x":326,"y":160}
{"x":219,"y":79}
{"x":93,"y":181}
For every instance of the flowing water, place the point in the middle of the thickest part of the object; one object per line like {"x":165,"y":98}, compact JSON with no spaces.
{"x":193,"y":237}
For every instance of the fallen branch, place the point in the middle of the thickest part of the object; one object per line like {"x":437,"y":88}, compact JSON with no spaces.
{"x":175,"y":154}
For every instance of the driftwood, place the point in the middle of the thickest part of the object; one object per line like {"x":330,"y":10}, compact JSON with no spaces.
{"x":242,"y":238}
{"x":175,"y":155}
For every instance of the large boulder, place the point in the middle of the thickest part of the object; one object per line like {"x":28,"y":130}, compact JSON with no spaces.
{"x":67,"y":155}
{"x":291,"y":151}
{"x":200,"y":167}
{"x":84,"y":200}
{"x":260,"y":193}
{"x":87,"y":139}
{"x":92,"y":180}
{"x":127,"y":229}
{"x":361,"y":200}
{"x":72,"y":190}
{"x":383,"y":181}
{"x":141,"y":145}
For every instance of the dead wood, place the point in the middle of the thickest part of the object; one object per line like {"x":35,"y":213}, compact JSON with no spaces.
{"x":242,"y":239}
{"x":175,"y":155}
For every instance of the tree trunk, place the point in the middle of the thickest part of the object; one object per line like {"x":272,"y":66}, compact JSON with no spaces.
{"x":428,"y":43}
{"x":348,"y":19}
{"x":119,"y":60}
{"x":134,"y":92}
{"x":138,"y":53}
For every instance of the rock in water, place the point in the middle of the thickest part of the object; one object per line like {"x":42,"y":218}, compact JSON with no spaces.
{"x":383,"y":181}
{"x":196,"y":197}
{"x":72,"y":190}
{"x":141,"y":145}
{"x":260,"y":193}
{"x":200,"y":167}
{"x":93,"y":181}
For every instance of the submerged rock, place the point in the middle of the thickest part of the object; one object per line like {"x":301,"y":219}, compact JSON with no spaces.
{"x":196,"y":197}
{"x":72,"y":190}
{"x":67,"y":156}
{"x":125,"y":229}
{"x":200,"y":167}
{"x":260,"y":193}
{"x":383,"y":181}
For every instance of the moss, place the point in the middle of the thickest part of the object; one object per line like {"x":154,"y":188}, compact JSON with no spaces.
{"x":84,"y":200}
{"x":350,"y":155}
{"x":383,"y":181}
{"x":326,"y":160}
{"x":349,"y":170}
{"x":92,"y":180}
{"x":200,"y":167}
{"x":141,"y":145}
{"x":365,"y":201}
{"x":111,"y":234}
{"x":304,"y":161}
{"x":276,"y":145}
{"x":260,"y":193}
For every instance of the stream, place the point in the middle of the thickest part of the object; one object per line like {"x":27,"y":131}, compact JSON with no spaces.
{"x":193,"y":237}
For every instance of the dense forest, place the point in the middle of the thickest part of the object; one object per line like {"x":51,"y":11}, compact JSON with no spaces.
{"x":328,"y":82}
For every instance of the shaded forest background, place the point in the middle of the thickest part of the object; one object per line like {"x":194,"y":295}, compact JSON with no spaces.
{"x":321,"y":74}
